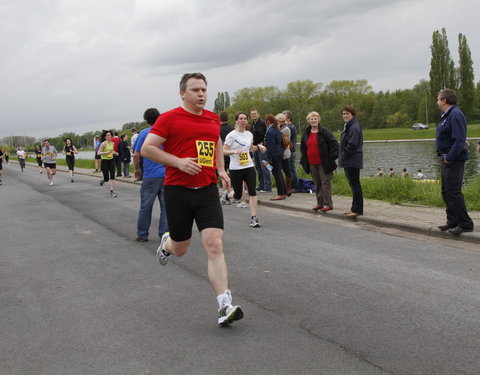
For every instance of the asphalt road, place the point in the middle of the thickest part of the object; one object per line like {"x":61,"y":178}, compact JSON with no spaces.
{"x":78,"y":294}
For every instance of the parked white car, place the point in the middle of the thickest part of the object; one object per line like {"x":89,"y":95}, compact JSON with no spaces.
{"x":419,"y":126}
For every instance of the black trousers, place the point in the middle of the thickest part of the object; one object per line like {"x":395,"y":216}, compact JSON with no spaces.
{"x":452,"y":180}
{"x":353,"y":177}
{"x":277,"y":174}
{"x":118,"y":165}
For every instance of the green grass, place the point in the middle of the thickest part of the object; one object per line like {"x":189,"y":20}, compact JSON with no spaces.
{"x":79,"y":163}
{"x":407,"y":133}
{"x":397,"y":190}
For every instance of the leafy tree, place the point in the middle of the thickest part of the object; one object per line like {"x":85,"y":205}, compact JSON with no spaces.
{"x":222,"y":102}
{"x":466,"y":89}
{"x":398,"y":120}
{"x":442,"y":69}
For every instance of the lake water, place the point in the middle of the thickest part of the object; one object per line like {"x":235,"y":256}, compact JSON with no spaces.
{"x":396,"y":155}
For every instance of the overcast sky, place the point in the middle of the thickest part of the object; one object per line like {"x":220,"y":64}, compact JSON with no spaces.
{"x":84,"y":65}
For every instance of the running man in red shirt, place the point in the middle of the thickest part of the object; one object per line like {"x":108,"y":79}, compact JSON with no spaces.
{"x":192,"y":152}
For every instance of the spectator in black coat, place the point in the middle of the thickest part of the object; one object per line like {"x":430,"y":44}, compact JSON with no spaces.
{"x":351,"y":157}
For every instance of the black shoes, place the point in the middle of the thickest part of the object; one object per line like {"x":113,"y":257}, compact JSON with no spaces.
{"x":459,"y":230}
{"x":445,"y":227}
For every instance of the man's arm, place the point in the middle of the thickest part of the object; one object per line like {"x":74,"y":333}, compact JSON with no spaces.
{"x":151,"y":150}
{"x":221,"y":162}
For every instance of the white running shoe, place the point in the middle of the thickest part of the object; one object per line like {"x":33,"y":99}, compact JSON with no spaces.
{"x":254,"y":222}
{"x":242,"y":205}
{"x":113,"y":194}
{"x":162,"y":254}
{"x":51,"y":183}
{"x":228,"y":313}
{"x":224,"y":199}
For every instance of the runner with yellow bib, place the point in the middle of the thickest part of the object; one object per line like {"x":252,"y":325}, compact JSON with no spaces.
{"x":238,"y":145}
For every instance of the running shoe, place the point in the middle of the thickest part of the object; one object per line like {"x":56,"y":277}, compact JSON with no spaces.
{"x":0,"y":182}
{"x":227,"y":314}
{"x":224,"y":199}
{"x":102,"y":181}
{"x":71,"y":180}
{"x":242,"y":205}
{"x":254,"y":222}
{"x":51,"y":183}
{"x":113,"y":194}
{"x":162,"y":254}
{"x":41,"y":171}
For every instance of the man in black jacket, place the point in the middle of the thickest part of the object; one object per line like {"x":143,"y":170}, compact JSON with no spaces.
{"x":258,"y":130}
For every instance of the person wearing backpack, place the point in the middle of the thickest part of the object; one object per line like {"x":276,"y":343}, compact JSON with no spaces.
{"x":319,"y":150}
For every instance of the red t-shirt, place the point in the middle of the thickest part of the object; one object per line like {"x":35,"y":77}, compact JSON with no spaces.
{"x":116,"y":142}
{"x":313,"y":152}
{"x":189,"y":135}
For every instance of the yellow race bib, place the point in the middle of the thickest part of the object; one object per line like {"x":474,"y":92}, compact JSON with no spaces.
{"x":69,"y":153}
{"x":244,"y":158}
{"x":48,"y":154}
{"x":206,"y":152}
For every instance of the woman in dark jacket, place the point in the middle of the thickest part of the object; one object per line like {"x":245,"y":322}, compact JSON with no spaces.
{"x":125,"y":155}
{"x":274,"y":157}
{"x":319,"y":150}
{"x":351,"y":157}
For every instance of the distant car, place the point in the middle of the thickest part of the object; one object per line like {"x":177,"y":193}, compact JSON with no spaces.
{"x":419,"y":126}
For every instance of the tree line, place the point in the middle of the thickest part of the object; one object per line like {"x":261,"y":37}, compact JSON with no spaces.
{"x":382,"y":109}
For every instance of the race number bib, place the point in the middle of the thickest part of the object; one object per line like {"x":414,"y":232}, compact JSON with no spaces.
{"x":244,"y":158}
{"x":39,"y":155}
{"x":69,"y":153}
{"x":206,"y":152}
{"x":48,"y":154}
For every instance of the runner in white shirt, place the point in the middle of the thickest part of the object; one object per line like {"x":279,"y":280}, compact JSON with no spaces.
{"x":238,"y":145}
{"x":21,"y":155}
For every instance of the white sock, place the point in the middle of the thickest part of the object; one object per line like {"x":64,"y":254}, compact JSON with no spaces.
{"x":224,"y":299}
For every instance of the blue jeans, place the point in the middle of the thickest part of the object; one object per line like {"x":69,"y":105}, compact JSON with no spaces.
{"x":151,"y":189}
{"x":264,"y":176}
{"x":293,"y":170}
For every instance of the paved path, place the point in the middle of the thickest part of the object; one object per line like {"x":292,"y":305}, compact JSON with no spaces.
{"x":411,"y":218}
{"x":78,"y":295}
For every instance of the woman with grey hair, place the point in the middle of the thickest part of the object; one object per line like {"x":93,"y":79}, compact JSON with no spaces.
{"x":319,"y":150}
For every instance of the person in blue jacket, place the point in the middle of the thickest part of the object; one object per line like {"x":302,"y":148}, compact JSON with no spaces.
{"x":350,"y":157}
{"x":451,"y":138}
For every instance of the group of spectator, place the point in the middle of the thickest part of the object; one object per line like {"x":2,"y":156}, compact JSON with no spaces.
{"x":277,"y":138}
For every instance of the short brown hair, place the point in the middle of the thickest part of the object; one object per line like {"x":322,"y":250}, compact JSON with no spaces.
{"x":350,"y":109}
{"x":187,"y":76}
{"x":270,"y":119}
{"x":449,"y":95}
{"x":223,"y":117}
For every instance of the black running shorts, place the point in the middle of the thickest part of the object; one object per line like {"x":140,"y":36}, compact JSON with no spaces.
{"x":238,"y":176}
{"x":50,"y":165}
{"x":185,"y":205}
